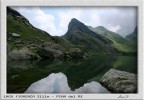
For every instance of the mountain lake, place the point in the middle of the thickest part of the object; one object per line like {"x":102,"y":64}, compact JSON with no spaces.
{"x":21,"y":74}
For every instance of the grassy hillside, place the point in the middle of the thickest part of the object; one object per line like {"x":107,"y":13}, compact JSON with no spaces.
{"x":17,"y":24}
{"x":118,"y":42}
{"x":27,"y":41}
{"x":24,"y":41}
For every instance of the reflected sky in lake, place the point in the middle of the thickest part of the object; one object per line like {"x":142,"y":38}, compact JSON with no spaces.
{"x":57,"y":83}
{"x":77,"y":72}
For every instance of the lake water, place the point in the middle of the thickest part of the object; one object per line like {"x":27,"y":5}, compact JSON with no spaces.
{"x":77,"y":72}
{"x":57,"y":83}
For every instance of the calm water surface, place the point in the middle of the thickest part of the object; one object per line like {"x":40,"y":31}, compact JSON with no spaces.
{"x":21,"y":74}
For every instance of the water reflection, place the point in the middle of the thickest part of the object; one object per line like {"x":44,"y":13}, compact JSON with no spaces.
{"x":21,"y":74}
{"x":57,"y":83}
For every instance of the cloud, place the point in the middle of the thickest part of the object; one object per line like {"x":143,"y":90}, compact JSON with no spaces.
{"x":45,"y":22}
{"x":55,"y":20}
{"x":57,"y":83}
{"x":39,"y":19}
{"x":113,"y":28}
{"x":88,"y":17}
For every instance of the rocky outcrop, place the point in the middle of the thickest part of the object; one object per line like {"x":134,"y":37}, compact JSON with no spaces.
{"x":52,"y":45}
{"x":76,"y":53}
{"x":51,"y":50}
{"x":47,"y":50}
{"x":24,"y":41}
{"x":22,"y":54}
{"x":44,"y":53}
{"x":119,"y":81}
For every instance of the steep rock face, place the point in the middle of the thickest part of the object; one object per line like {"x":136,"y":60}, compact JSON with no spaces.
{"x":80,"y":35}
{"x":76,"y":26}
{"x":120,"y":81}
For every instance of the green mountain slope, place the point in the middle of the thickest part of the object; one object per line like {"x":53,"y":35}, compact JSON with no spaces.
{"x":118,"y":42}
{"x":80,"y":35}
{"x":133,"y":36}
{"x":20,"y":32}
{"x":24,"y":41}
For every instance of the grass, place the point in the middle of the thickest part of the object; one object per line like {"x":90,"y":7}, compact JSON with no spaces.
{"x":120,"y":43}
{"x":28,"y":35}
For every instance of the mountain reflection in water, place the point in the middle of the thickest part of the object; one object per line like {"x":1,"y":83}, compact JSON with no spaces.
{"x":57,"y":83}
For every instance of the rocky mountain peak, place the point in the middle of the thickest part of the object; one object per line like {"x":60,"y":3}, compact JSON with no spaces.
{"x":17,"y":16}
{"x":135,"y":31}
{"x":76,"y":27}
{"x":74,"y":19}
{"x":75,"y":23}
{"x":13,"y":12}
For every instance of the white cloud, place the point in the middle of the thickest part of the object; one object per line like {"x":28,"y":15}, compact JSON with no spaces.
{"x":113,"y":28}
{"x":94,"y":20}
{"x":89,"y":18}
{"x":56,"y":21}
{"x":57,"y":83}
{"x":92,"y":87}
{"x":39,"y":19}
{"x":54,"y":83}
{"x":65,"y":18}
{"x":45,"y":22}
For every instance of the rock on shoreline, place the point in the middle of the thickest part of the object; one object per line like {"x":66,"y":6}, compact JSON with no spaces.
{"x":119,"y":81}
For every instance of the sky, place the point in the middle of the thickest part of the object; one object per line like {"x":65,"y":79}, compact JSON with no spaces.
{"x":55,"y":20}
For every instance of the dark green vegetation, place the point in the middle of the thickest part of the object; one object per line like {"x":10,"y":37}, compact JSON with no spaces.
{"x":51,"y":54}
{"x":118,"y":42}
{"x":91,"y":41}
{"x":133,"y":36}
{"x":28,"y":42}
{"x":33,"y":43}
{"x":21,"y":74}
{"x":86,"y":39}
{"x":28,"y":34}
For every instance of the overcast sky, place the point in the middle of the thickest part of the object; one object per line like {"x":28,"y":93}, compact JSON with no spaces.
{"x":54,"y":20}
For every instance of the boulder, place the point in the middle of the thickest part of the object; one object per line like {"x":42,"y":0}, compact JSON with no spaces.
{"x":44,"y":53}
{"x":53,"y":46}
{"x":23,"y":54}
{"x":51,"y":50}
{"x":76,"y":53}
{"x":15,"y":35}
{"x":119,"y":81}
{"x":56,"y":52}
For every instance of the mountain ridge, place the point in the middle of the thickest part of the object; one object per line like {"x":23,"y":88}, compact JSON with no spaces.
{"x":132,"y":36}
{"x":77,"y":25}
{"x":80,"y":35}
{"x":99,"y":37}
{"x":25,"y":42}
{"x":77,"y":41}
{"x":118,"y":42}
